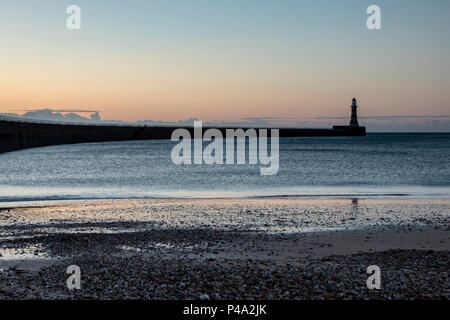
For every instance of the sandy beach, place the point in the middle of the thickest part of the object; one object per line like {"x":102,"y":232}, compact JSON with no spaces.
{"x":281,"y":248}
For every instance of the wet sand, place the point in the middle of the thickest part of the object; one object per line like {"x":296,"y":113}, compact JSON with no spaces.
{"x":291,"y":248}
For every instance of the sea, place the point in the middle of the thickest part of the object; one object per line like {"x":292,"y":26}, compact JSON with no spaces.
{"x":377,"y":165}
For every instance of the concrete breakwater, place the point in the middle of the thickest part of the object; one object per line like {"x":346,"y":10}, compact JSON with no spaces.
{"x":21,"y":134}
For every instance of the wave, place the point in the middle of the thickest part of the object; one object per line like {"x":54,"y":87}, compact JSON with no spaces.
{"x":227,"y":195}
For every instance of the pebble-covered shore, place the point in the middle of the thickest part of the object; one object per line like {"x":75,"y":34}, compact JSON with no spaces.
{"x":234,"y":249}
{"x":406,"y":274}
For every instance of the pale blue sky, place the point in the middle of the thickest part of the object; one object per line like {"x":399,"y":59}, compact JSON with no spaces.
{"x":217,"y":60}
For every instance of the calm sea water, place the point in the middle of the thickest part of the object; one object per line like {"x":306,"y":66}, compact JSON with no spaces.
{"x":376,"y":165}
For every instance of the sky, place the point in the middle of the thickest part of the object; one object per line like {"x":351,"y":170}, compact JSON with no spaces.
{"x":287,"y":60}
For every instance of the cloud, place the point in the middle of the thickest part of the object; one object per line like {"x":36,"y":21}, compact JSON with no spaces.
{"x":58,"y":115}
{"x":391,"y":117}
{"x":379,"y":123}
{"x":63,"y":110}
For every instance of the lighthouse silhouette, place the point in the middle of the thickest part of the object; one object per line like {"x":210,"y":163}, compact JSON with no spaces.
{"x":354,"y":118}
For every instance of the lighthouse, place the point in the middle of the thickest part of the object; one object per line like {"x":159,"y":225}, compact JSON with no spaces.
{"x":354,"y":118}
{"x":353,"y":129}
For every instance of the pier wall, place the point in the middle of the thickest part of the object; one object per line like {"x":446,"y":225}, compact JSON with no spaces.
{"x":17,"y":135}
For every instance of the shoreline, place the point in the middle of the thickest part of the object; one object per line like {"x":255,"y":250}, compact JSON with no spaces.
{"x":183,"y":249}
{"x":42,"y":203}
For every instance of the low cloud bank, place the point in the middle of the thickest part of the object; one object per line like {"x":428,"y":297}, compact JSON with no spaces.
{"x":382,"y":123}
{"x":58,"y":115}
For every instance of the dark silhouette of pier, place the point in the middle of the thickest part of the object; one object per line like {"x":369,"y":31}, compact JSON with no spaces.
{"x":20,"y":133}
